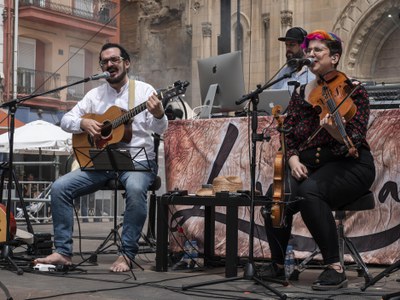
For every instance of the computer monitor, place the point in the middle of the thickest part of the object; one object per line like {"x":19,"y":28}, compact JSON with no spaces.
{"x":221,"y":83}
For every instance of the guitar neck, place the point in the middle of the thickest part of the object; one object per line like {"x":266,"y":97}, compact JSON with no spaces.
{"x":128,"y":115}
{"x":163,"y":96}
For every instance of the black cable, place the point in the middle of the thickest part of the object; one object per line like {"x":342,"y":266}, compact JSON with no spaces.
{"x":184,"y":107}
{"x":194,"y":262}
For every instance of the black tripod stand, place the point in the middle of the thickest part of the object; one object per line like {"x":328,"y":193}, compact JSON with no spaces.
{"x":389,"y":270}
{"x":249,"y":270}
{"x":7,"y":168}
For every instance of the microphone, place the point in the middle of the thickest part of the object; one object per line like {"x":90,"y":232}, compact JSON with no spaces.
{"x":300,"y":62}
{"x":104,"y":75}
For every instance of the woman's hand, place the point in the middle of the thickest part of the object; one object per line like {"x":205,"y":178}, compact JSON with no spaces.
{"x":298,"y":170}
{"x":330,"y":125}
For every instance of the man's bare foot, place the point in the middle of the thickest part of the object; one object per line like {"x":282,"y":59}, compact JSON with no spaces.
{"x":54,"y":259}
{"x":122,"y":264}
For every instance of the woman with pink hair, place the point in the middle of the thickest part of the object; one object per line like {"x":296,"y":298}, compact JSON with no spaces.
{"x":323,"y":174}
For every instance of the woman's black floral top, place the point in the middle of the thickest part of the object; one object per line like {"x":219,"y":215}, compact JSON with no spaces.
{"x":303,"y":120}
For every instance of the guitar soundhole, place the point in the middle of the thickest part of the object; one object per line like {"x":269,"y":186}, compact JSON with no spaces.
{"x":106,"y":130}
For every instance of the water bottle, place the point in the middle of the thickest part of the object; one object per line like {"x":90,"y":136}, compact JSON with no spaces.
{"x":186,"y":255}
{"x":194,"y":255}
{"x":289,"y":261}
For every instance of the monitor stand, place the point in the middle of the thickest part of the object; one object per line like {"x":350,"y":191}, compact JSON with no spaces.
{"x":208,"y":104}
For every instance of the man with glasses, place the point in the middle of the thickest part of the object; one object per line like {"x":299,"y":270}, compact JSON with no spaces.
{"x":116,"y":92}
{"x":293,"y":39}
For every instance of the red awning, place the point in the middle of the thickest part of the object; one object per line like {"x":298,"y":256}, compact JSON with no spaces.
{"x":4,"y":120}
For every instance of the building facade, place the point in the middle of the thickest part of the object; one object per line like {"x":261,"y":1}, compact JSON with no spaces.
{"x":50,"y":45}
{"x":58,"y":42}
{"x":172,"y":35}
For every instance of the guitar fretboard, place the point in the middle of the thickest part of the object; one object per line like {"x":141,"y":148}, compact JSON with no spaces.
{"x":128,"y":115}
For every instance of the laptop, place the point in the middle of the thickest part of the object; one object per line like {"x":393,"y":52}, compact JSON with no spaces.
{"x":270,"y":98}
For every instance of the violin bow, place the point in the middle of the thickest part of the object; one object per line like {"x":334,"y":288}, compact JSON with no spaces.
{"x":335,"y":110}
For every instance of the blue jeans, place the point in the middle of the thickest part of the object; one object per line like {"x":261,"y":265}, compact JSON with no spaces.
{"x":78,"y":183}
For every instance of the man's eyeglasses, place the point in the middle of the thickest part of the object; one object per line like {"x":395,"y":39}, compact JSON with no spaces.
{"x":315,"y":49}
{"x":113,"y":59}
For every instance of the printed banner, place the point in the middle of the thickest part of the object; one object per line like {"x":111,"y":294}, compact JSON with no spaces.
{"x":196,"y":151}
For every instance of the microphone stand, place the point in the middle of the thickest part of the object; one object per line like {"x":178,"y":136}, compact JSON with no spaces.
{"x":249,"y":269}
{"x":12,"y":105}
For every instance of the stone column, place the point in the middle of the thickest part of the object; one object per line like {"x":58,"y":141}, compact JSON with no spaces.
{"x":266,"y":18}
{"x":206,"y":44}
{"x":286,"y":24}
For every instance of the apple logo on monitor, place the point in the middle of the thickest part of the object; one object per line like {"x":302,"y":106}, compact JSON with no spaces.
{"x":214,"y":69}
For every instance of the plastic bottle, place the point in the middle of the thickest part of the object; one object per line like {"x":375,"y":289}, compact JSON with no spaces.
{"x":186,"y":254}
{"x":289,"y":262}
{"x":194,"y":255}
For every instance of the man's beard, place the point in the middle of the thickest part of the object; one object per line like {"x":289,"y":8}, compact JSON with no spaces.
{"x":119,"y":78}
{"x":292,"y":55}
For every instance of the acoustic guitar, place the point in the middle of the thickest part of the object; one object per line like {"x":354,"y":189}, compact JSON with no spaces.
{"x":117,"y":125}
{"x":3,"y":224}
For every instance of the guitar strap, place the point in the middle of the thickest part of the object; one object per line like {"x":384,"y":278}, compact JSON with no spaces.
{"x":131,"y":94}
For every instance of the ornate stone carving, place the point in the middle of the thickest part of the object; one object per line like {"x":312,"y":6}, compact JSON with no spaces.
{"x":195,"y":7}
{"x":266,"y":19}
{"x":354,"y":27}
{"x":286,"y":18}
{"x":189,"y":29}
{"x":150,"y":7}
{"x":206,"y":29}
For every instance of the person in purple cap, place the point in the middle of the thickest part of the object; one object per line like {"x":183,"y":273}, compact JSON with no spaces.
{"x":293,"y":39}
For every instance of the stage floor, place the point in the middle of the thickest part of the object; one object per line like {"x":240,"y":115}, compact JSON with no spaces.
{"x":94,"y":281}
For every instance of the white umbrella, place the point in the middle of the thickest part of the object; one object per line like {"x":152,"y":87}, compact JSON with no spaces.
{"x":38,"y":136}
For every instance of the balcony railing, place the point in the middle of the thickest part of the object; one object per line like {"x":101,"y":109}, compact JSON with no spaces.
{"x":32,"y":81}
{"x":98,"y":10}
{"x":76,"y":92}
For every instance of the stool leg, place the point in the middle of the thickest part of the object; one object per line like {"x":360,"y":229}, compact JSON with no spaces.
{"x":152,"y":216}
{"x":303,"y":265}
{"x":345,"y":241}
{"x":358,"y":259}
{"x":341,"y":240}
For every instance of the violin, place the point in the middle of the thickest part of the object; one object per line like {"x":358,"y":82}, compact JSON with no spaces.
{"x":278,"y":193}
{"x":333,"y":97}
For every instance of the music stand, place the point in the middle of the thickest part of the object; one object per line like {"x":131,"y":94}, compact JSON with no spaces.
{"x":116,"y":159}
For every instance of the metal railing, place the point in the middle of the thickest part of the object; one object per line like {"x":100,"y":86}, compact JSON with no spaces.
{"x":97,"y":10}
{"x":95,"y":207}
{"x":76,"y":92}
{"x":31,"y":81}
